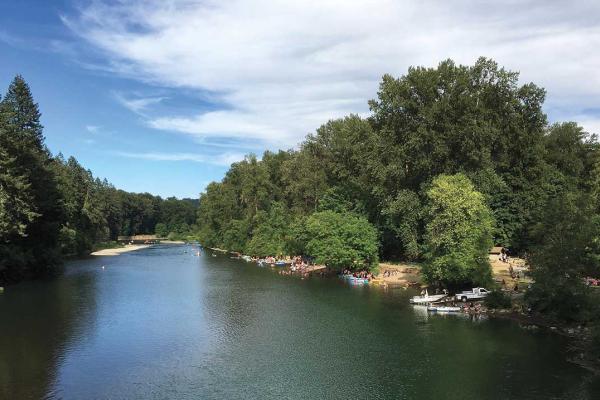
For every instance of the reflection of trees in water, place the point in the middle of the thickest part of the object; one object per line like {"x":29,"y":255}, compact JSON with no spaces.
{"x":231,"y":300}
{"x":39,"y":321}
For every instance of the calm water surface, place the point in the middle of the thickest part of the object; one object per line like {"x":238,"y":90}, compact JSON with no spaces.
{"x":162,"y":323}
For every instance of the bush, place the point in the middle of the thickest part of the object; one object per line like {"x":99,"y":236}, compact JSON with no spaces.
{"x":341,"y":240}
{"x":497,"y":299}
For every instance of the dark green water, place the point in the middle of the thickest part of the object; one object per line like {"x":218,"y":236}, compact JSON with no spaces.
{"x":160,"y":323}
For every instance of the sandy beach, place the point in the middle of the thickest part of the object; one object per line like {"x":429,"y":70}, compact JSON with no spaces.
{"x":119,"y":250}
{"x":401,"y":274}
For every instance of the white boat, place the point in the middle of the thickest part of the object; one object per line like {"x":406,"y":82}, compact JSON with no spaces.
{"x":426,"y":298}
{"x":443,"y":309}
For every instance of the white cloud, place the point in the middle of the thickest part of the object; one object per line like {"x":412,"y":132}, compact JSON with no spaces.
{"x":137,"y":105}
{"x":285,"y":67}
{"x":223,"y":159}
{"x":92,"y":128}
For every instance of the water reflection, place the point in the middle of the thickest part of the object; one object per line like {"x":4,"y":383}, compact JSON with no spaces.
{"x":38,"y":322}
{"x":164,"y":323}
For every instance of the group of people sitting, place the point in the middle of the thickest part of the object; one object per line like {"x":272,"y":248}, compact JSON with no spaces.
{"x":299,"y":266}
{"x":592,"y":282}
{"x":387,"y":273}
{"x":364,"y":274}
{"x":472,"y":308}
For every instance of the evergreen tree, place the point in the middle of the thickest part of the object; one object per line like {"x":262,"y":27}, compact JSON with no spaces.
{"x":36,"y":251}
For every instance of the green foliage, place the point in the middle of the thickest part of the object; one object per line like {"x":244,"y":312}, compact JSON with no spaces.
{"x":161,"y":230}
{"x":16,"y":208}
{"x":403,"y":215}
{"x":475,"y":120}
{"x":404,"y":169}
{"x":458,"y":233}
{"x":568,"y":250}
{"x":269,"y":233}
{"x":498,"y":299}
{"x":51,"y":207}
{"x":30,"y":211}
{"x":341,"y":240}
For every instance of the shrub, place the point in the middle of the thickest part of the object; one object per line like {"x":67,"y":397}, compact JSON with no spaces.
{"x":497,"y":299}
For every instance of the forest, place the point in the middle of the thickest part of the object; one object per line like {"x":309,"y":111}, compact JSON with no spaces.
{"x":451,"y":161}
{"x":52,"y":208}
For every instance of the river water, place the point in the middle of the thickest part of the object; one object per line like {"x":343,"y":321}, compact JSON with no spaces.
{"x":163,"y":323}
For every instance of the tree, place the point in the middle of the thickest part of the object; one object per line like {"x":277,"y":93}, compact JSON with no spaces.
{"x":17,"y":210}
{"x":51,"y":207}
{"x":402,"y":216}
{"x":269,"y":234}
{"x":161,"y":230}
{"x":569,"y":250}
{"x":457,"y":118}
{"x":341,"y":240}
{"x":458,"y":233}
{"x":36,"y":250}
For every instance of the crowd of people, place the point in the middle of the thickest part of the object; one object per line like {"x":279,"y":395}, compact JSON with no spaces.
{"x":363,"y":274}
{"x":472,"y":308}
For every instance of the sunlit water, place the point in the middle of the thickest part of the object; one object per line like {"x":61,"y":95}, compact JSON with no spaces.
{"x":163,"y":323}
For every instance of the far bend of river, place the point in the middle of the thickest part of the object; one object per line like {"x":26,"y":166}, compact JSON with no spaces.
{"x":162,"y":323}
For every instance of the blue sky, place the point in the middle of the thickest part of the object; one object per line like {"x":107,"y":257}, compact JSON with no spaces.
{"x":161,"y":96}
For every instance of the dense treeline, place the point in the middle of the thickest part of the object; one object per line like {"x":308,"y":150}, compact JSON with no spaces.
{"x":51,"y":207}
{"x":451,"y":160}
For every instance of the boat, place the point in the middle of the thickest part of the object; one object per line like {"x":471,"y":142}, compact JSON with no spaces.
{"x":358,"y":281}
{"x":280,"y":263}
{"x":443,"y":309}
{"x":426,"y":298}
{"x":354,"y":280}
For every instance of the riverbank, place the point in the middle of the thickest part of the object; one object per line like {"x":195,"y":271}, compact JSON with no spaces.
{"x":119,"y":250}
{"x":404,"y":274}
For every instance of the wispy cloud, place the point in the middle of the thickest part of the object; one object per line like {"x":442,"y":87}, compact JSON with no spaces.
{"x":92,"y":128}
{"x":137,"y":105}
{"x":284,"y":67}
{"x":223,"y":159}
{"x":9,"y":39}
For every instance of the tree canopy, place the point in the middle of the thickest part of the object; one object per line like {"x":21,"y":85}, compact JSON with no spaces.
{"x":458,"y":234}
{"x":475,"y":120}
{"x":341,"y":240}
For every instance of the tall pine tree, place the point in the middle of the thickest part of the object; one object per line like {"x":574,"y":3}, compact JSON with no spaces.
{"x":30,"y":246}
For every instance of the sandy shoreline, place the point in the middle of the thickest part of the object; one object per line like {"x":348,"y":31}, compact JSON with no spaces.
{"x":119,"y":250}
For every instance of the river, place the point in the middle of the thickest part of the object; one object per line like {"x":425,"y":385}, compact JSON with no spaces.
{"x":164,"y":323}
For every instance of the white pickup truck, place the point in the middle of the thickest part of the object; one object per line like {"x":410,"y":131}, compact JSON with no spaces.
{"x":473,"y":294}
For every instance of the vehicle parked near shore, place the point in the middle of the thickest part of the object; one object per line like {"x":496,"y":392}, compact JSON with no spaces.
{"x":473,"y":294}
